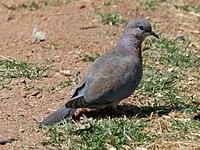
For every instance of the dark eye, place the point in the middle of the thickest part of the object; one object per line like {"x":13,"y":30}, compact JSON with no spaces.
{"x":141,"y":27}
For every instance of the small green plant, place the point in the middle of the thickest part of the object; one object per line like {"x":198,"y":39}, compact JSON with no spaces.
{"x":4,"y":83}
{"x":47,"y":2}
{"x":29,"y":6}
{"x":11,"y":7}
{"x":33,"y":6}
{"x":187,"y":7}
{"x":65,"y":83}
{"x":150,"y":5}
{"x":60,"y":85}
{"x":109,"y":2}
{"x":51,"y":46}
{"x":19,"y":69}
{"x":111,"y":18}
{"x":40,"y":88}
{"x":70,"y":81}
{"x":89,"y":58}
{"x":56,"y":2}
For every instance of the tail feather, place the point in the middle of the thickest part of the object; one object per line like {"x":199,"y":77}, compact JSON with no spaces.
{"x":57,"y":116}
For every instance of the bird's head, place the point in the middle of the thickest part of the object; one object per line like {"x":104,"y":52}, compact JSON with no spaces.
{"x":139,"y":28}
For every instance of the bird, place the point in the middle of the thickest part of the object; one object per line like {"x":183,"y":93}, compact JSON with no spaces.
{"x":112,"y":77}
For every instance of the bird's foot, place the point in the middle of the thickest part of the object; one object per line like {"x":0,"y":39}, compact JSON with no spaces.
{"x":118,"y":110}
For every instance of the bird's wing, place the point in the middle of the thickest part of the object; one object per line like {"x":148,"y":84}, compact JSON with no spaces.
{"x":104,"y":77}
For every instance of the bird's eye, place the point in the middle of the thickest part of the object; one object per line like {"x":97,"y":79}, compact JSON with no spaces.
{"x":141,"y":27}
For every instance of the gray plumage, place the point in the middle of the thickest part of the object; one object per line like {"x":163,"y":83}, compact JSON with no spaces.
{"x":112,"y":77}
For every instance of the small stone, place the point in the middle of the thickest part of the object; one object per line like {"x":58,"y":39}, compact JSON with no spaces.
{"x":37,"y":36}
{"x":82,"y":6}
{"x":66,"y":72}
{"x":180,"y":38}
{"x":35,"y":93}
{"x":25,"y":94}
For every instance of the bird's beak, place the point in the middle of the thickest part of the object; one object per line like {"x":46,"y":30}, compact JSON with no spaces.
{"x":154,"y":34}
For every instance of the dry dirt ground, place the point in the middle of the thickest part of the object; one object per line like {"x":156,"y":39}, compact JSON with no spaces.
{"x":75,"y":30}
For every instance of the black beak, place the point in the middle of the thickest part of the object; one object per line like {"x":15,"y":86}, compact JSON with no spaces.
{"x":154,"y":34}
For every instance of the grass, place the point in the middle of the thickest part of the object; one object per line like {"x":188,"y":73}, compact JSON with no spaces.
{"x":156,"y":128}
{"x":172,"y":53}
{"x":120,"y":133}
{"x":40,"y":88}
{"x":111,"y":18}
{"x":33,"y":6}
{"x":4,"y":83}
{"x":150,"y":5}
{"x":60,"y":85}
{"x":51,"y":46}
{"x":109,"y":2}
{"x":165,"y":81}
{"x":55,"y":2}
{"x":90,"y":58}
{"x":28,"y":6}
{"x":18,"y":69}
{"x":99,"y":134}
{"x":188,"y":8}
{"x":69,"y":81}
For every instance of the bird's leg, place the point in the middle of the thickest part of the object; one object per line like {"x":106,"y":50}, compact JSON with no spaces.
{"x":118,"y":110}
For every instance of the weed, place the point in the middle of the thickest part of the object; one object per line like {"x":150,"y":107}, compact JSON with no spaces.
{"x":29,"y":6}
{"x":19,"y":69}
{"x":187,"y":7}
{"x":109,"y":2}
{"x":89,"y":58}
{"x":40,"y":88}
{"x":12,"y":7}
{"x":55,"y":2}
{"x":33,"y":6}
{"x":68,"y":82}
{"x":150,"y":5}
{"x":60,"y":85}
{"x":112,"y":18}
{"x":4,"y":83}
{"x":51,"y":46}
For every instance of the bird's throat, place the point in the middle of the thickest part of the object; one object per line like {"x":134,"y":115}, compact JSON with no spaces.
{"x":137,"y":52}
{"x":133,"y":45}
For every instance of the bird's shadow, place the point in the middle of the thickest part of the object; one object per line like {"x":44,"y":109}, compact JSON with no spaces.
{"x":131,"y":111}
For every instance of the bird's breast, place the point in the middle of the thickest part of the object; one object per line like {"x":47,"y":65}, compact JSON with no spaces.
{"x":135,"y":77}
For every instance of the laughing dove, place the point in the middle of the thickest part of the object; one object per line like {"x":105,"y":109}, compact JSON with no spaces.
{"x":112,"y":77}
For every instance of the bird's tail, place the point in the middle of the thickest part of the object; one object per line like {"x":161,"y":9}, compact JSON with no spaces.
{"x":57,"y":116}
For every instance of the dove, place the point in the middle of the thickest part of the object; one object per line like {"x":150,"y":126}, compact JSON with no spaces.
{"x":112,"y":77}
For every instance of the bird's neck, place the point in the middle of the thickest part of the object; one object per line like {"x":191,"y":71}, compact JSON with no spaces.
{"x":132,"y":44}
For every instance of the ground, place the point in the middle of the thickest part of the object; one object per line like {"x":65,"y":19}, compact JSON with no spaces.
{"x":75,"y":35}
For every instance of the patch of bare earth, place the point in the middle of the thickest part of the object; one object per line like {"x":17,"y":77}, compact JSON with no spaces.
{"x":75,"y":29}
